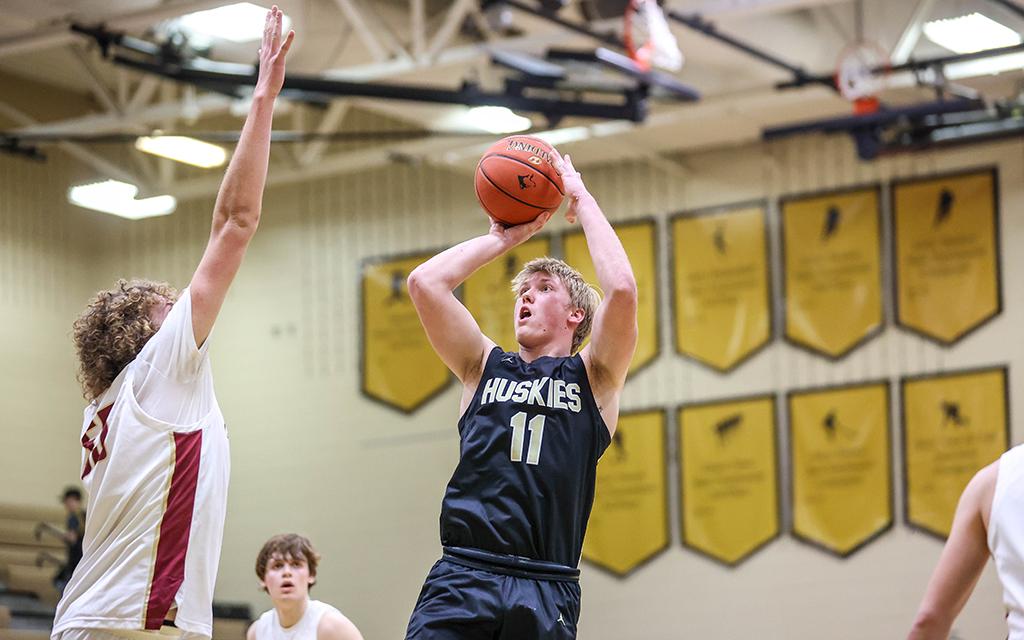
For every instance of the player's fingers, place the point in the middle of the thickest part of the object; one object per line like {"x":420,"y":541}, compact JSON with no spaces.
{"x":287,"y":44}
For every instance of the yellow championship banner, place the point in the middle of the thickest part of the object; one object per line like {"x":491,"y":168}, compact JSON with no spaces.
{"x":953,"y":425}
{"x":721,"y":285}
{"x":629,"y":522}
{"x":640,"y":239}
{"x":833,"y":270}
{"x":729,"y":475}
{"x":946,"y":254}
{"x":488,"y":292}
{"x":841,"y":466}
{"x":399,"y":367}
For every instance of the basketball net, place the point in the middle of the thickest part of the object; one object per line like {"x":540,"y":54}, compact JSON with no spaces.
{"x":857,"y":79}
{"x":648,"y":38}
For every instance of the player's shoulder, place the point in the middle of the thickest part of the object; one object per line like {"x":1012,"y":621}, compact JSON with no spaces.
{"x":334,"y":625}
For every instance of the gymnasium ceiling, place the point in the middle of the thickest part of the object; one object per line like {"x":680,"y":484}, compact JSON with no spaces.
{"x":53,"y":80}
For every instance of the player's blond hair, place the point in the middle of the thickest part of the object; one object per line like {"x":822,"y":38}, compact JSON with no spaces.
{"x":112,"y":330}
{"x":287,"y":546}
{"x":582,"y":295}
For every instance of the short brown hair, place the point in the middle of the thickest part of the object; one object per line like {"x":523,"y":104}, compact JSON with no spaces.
{"x":582,"y":295}
{"x":112,"y":330}
{"x":288,"y":546}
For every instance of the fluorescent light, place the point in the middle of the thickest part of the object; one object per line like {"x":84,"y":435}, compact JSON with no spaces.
{"x":241,"y":22}
{"x":970,"y":33}
{"x":118,"y":198}
{"x":183,"y":149}
{"x":497,"y":120}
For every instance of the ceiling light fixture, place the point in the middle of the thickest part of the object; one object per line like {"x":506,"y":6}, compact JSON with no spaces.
{"x":118,"y":198}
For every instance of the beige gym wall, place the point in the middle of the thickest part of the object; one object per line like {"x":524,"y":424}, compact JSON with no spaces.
{"x":311,"y":454}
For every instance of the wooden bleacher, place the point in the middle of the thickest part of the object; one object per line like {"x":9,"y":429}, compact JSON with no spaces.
{"x":29,"y":543}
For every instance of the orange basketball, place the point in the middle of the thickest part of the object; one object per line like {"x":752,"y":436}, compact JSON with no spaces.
{"x":516,"y":180}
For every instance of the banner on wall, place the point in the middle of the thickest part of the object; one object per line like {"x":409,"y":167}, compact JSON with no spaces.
{"x":721,"y":285}
{"x":833,"y":270}
{"x":640,"y":239}
{"x":629,"y":522}
{"x":946,"y":251}
{"x":399,"y":367}
{"x":488,"y":293}
{"x":729,"y":475}
{"x":842,"y":472}
{"x":953,"y":425}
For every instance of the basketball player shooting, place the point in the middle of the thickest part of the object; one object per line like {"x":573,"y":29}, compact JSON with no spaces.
{"x":155,"y":459}
{"x":534,"y":423}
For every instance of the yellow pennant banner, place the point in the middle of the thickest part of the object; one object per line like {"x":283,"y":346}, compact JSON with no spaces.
{"x":629,"y":522}
{"x":833,"y":270}
{"x":842,"y":472}
{"x":640,"y":239}
{"x":729,"y":475}
{"x":488,"y":293}
{"x":399,"y":367}
{"x":953,"y":425}
{"x":947,"y":254}
{"x":722,"y":285}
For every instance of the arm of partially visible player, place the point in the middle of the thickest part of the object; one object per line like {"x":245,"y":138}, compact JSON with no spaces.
{"x":961,"y":563}
{"x":237,"y":210}
{"x":334,"y":626}
{"x":250,"y":633}
{"x":451,"y":328}
{"x":614,"y":334}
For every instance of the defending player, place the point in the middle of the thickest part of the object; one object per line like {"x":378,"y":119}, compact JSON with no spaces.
{"x":534,"y":423}
{"x":155,"y":460}
{"x":286,"y":568}
{"x":987,"y":521}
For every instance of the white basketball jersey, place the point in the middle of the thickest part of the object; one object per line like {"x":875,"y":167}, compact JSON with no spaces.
{"x":155,"y":464}
{"x":268,"y":626}
{"x":1006,"y":536}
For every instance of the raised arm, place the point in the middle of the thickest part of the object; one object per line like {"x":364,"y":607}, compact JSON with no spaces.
{"x":237,"y":210}
{"x":613,"y":338}
{"x":962,"y":560}
{"x":451,"y":328}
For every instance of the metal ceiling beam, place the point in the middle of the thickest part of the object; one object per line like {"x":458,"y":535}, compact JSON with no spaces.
{"x":52,"y":36}
{"x":453,"y":19}
{"x":362,"y":29}
{"x":100,"y":164}
{"x":912,"y":33}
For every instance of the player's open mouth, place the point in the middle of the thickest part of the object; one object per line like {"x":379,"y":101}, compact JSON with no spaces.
{"x":524,"y":313}
{"x":287,"y":585}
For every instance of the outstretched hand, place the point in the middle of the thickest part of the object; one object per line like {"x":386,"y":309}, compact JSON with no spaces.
{"x":520,"y":233}
{"x":272,"y":55}
{"x":572,"y":182}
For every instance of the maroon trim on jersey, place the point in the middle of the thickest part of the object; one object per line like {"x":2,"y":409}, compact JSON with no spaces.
{"x":169,"y":571}
{"x":97,"y":447}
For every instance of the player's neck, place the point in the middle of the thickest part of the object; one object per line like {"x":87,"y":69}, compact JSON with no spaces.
{"x":289,"y":612}
{"x":529,"y":354}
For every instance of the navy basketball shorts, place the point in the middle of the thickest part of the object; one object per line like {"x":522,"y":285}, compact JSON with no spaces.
{"x":460,"y":602}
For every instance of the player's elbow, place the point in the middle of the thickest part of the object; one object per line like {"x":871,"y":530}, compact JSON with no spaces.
{"x":930,"y":623}
{"x":418,"y":283}
{"x":623,"y":291}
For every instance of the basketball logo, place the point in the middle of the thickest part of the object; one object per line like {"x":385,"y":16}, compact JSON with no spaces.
{"x":534,"y":160}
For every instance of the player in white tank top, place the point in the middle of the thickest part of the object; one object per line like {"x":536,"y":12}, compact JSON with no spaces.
{"x":987,"y":522}
{"x":155,"y":450}
{"x":286,"y":568}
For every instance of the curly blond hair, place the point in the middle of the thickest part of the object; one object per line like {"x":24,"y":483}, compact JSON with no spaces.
{"x":582,"y":295}
{"x":112,"y":330}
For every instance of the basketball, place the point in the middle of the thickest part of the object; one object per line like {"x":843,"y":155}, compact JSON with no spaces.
{"x":516,"y":180}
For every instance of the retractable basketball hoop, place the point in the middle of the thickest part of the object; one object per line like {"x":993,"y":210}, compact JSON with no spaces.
{"x":862,"y":72}
{"x":648,"y":38}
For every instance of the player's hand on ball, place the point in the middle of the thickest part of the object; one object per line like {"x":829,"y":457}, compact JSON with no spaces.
{"x":272,"y":54}
{"x":520,"y":233}
{"x":572,"y":182}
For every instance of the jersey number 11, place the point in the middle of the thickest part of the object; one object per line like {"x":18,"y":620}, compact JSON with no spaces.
{"x":519,"y":436}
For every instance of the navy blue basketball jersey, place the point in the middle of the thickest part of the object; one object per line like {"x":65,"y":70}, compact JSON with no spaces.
{"x":530,"y":442}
